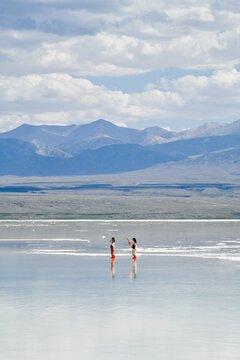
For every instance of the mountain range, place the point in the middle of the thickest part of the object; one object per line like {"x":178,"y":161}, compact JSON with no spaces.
{"x":100,"y":147}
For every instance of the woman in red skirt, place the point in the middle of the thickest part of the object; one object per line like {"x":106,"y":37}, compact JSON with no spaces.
{"x":112,"y":244}
{"x":133,"y":245}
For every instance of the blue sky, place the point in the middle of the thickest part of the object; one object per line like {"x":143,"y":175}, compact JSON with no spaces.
{"x":138,"y":63}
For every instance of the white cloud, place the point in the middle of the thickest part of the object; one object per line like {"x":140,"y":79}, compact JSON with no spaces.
{"x":192,"y":13}
{"x":66,"y":99}
{"x":112,"y":38}
{"x":216,"y":97}
{"x":63,"y":99}
{"x":109,"y":54}
{"x":222,"y":82}
{"x":103,"y":54}
{"x":140,"y":36}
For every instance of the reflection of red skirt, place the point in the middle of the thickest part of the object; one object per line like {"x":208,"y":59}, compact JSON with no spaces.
{"x":112,"y":250}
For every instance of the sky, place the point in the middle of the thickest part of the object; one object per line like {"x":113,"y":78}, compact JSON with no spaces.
{"x":137,"y":63}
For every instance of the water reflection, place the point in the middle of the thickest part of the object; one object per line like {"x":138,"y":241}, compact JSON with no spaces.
{"x":133,"y":272}
{"x":113,"y":268}
{"x":53,"y":306}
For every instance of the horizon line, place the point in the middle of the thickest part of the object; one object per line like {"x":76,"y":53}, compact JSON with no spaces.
{"x":121,"y":220}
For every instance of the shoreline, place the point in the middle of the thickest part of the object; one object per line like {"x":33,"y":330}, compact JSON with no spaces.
{"x":122,"y":220}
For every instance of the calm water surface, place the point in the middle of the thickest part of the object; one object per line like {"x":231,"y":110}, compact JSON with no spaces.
{"x":61,"y":297}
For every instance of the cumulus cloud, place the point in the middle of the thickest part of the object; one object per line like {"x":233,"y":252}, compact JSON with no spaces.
{"x":192,"y":13}
{"x":47,"y":47}
{"x":124,"y":38}
{"x":110,"y":54}
{"x":63,"y":99}
{"x":216,"y":97}
{"x":81,"y":98}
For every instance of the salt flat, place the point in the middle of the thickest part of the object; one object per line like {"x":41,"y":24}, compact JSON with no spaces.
{"x":62,"y":297}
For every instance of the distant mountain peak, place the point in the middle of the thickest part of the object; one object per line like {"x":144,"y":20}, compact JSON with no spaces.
{"x":25,"y":125}
{"x":211,"y":125}
{"x":207,"y":129}
{"x":101,"y":122}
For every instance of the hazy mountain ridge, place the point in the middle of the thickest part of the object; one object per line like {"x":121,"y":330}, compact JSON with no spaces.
{"x":102,"y":147}
{"x":229,"y":155}
{"x":86,"y":136}
{"x":20,"y":158}
{"x":202,"y":145}
{"x":63,"y":136}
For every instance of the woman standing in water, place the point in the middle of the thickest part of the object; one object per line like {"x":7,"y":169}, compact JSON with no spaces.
{"x":133,"y":243}
{"x":112,"y":243}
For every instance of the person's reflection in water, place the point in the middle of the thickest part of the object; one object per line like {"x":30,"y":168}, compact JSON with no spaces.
{"x":134,"y":268}
{"x":133,"y":272}
{"x":113,"y":268}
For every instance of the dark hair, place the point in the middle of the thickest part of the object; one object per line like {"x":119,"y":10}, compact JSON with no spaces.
{"x":113,"y":239}
{"x":134,"y":239}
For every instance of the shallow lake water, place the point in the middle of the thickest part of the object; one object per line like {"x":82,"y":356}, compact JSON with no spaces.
{"x":61,"y":296}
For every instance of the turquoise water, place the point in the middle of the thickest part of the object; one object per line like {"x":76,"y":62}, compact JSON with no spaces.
{"x":61,"y":297}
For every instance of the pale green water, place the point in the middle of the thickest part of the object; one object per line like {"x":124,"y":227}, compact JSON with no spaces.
{"x":59,"y":299}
